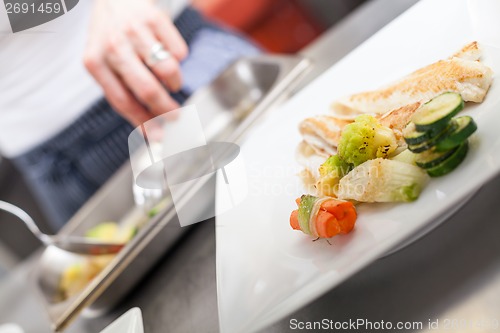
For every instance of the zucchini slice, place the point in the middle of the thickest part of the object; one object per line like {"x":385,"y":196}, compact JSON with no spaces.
{"x":449,"y":164}
{"x":431,"y":158}
{"x":433,"y":141}
{"x":420,"y":148}
{"x":463,"y":128}
{"x":435,"y":115}
{"x":414,"y":137}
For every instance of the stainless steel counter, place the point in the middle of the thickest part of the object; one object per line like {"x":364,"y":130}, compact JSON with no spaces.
{"x":453,"y":273}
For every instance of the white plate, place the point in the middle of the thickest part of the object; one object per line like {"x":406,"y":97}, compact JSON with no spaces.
{"x":265,"y":270}
{"x":10,"y":328}
{"x":129,"y":322}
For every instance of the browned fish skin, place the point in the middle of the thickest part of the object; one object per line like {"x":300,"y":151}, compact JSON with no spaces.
{"x":398,"y":119}
{"x":461,"y":73}
{"x":470,"y":51}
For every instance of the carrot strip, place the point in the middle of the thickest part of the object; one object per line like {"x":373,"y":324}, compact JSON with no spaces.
{"x":294,"y":220}
{"x":344,"y":212}
{"x":326,"y":224}
{"x":334,"y":217}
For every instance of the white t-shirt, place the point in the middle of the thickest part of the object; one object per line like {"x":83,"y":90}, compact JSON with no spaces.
{"x":44,"y":86}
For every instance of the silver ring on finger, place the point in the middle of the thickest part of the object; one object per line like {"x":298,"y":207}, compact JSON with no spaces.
{"x":157,"y":53}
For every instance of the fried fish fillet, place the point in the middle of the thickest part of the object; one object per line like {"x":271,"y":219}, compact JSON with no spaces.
{"x":310,"y":159}
{"x":462,"y":73}
{"x":322,"y":133}
{"x":398,"y":119}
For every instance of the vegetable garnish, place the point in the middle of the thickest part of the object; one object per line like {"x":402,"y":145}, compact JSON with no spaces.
{"x":438,"y":139}
{"x":323,"y":217}
{"x":463,"y":128}
{"x":435,"y":115}
{"x":366,"y":139}
{"x":330,"y":173}
{"x":383,"y":180}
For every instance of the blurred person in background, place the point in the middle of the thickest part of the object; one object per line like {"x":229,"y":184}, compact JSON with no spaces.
{"x":144,"y":57}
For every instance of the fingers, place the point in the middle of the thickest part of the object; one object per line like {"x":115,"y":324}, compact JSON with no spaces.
{"x":170,"y":37}
{"x":167,"y":70}
{"x":116,"y":52}
{"x":116,"y":93}
{"x":136,"y":76}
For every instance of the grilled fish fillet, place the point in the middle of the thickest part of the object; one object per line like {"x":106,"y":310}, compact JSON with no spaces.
{"x":462,"y":73}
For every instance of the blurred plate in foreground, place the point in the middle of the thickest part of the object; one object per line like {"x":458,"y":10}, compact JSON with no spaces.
{"x":129,"y":322}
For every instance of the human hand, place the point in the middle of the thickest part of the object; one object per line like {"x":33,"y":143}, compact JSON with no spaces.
{"x":121,"y":37}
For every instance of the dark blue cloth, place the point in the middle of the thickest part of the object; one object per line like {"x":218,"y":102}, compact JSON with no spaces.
{"x":68,"y":169}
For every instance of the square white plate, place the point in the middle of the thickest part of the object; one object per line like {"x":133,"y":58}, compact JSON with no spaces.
{"x":266,"y":270}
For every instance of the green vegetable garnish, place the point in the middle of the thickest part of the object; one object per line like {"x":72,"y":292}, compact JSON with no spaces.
{"x":331,"y":172}
{"x":305,"y":208}
{"x":364,"y":140}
